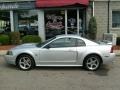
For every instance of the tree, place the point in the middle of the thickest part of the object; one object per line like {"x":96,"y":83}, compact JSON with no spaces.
{"x":92,"y":28}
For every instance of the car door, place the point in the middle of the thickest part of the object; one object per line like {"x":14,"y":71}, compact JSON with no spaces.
{"x":81,"y":49}
{"x":61,"y":51}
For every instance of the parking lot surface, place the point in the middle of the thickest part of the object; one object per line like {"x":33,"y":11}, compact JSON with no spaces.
{"x":60,"y":78}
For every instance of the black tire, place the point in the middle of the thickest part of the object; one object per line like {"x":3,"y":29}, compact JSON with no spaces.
{"x":92,"y":62}
{"x":25,"y":62}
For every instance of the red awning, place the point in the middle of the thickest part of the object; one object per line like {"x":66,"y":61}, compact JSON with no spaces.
{"x":59,"y":3}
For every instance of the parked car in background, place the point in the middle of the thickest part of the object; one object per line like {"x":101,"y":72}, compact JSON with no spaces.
{"x":63,"y":50}
{"x":24,"y":30}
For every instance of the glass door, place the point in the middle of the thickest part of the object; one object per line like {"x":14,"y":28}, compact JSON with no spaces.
{"x":82,"y":22}
{"x":69,"y":21}
{"x":72,"y":21}
{"x":54,"y":23}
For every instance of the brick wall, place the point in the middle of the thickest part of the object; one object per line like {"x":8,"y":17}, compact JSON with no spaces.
{"x":114,"y":6}
{"x":101,"y":14}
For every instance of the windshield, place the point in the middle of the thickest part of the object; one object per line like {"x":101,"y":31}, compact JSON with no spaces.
{"x":43,"y":43}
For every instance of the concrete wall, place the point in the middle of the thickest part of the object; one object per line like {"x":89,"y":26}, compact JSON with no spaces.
{"x":101,"y":14}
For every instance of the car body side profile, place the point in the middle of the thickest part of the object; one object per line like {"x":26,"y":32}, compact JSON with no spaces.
{"x":62,"y":50}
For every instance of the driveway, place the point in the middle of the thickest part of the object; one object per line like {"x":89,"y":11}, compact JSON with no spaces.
{"x":52,"y":78}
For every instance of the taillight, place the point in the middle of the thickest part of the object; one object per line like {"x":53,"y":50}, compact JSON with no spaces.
{"x":112,"y":49}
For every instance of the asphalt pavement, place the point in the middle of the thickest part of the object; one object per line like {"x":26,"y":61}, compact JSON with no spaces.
{"x":57,"y":78}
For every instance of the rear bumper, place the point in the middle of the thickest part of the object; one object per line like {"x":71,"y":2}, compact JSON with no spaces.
{"x":109,"y":58}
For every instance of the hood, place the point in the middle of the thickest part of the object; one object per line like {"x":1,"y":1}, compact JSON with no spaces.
{"x":27,"y":45}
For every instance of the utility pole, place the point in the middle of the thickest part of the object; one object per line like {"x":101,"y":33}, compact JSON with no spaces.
{"x":108,"y":27}
{"x":93,"y":8}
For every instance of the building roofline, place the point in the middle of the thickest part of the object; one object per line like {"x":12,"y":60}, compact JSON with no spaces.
{"x":104,"y":0}
{"x":15,"y":0}
{"x":34,"y":0}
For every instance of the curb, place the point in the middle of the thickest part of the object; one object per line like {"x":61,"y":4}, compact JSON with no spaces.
{"x":117,"y":52}
{"x":3,"y":52}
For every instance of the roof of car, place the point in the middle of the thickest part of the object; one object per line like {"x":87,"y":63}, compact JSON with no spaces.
{"x":69,"y":35}
{"x":88,"y":42}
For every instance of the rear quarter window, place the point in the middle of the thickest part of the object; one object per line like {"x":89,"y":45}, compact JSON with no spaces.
{"x":80,"y":42}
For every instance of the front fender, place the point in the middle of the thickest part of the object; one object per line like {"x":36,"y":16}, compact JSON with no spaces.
{"x":32,"y":53}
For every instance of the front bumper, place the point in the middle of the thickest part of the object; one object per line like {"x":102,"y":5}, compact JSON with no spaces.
{"x":10,"y":59}
{"x":109,"y":58}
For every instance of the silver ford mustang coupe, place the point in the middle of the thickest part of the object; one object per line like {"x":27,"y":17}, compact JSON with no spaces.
{"x":62,"y":50}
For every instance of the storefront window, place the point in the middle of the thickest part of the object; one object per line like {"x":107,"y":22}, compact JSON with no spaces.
{"x":4,"y":22}
{"x":82,"y":20}
{"x":54,"y":23}
{"x":72,"y":21}
{"x":28,"y":22}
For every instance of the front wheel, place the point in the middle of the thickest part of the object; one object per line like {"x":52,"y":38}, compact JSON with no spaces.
{"x":92,"y":62}
{"x":25,"y":62}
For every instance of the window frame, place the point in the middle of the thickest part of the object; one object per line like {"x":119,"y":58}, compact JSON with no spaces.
{"x":81,"y":45}
{"x":112,"y":20}
{"x":76,"y":43}
{"x":47,"y":46}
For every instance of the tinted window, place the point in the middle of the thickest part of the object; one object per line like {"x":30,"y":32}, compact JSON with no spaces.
{"x":80,"y":42}
{"x":63,"y":42}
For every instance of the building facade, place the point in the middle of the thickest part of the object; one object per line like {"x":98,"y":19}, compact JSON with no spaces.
{"x":48,"y":20}
{"x":107,"y":13}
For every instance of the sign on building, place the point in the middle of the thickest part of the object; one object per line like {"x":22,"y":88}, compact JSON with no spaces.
{"x":16,"y":5}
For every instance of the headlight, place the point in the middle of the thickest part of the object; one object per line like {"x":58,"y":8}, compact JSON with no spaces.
{"x":9,"y":53}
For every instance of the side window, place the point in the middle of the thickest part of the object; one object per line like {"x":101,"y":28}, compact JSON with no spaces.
{"x":70,"y":42}
{"x":80,"y":42}
{"x":57,"y":43}
{"x":63,"y":42}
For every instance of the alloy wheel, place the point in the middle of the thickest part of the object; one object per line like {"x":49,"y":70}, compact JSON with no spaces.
{"x":92,"y":62}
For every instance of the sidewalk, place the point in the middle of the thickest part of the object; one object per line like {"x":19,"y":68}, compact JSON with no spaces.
{"x":4,"y":49}
{"x":3,"y":52}
{"x":117,"y":52}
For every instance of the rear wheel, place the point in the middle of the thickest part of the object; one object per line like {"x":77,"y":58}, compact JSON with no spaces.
{"x":92,"y":62}
{"x":25,"y":62}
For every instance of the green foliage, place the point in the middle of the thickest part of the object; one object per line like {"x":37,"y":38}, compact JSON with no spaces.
{"x":15,"y":37}
{"x":31,"y":39}
{"x":4,"y":39}
{"x":92,"y":28}
{"x":118,"y":41}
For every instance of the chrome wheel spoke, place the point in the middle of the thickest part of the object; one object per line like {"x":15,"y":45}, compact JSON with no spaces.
{"x":21,"y":62}
{"x":92,"y":66}
{"x":89,"y":63}
{"x":92,"y":63}
{"x":28,"y":64}
{"x":25,"y":63}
